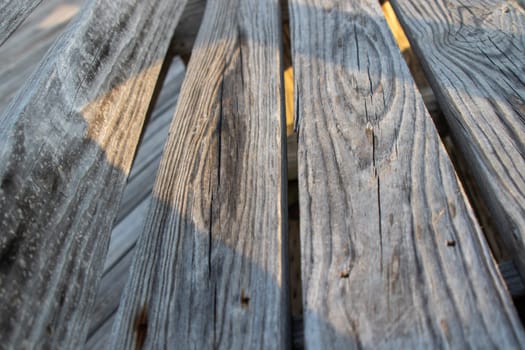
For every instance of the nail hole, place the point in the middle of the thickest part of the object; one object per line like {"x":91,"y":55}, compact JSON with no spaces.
{"x":245,"y":299}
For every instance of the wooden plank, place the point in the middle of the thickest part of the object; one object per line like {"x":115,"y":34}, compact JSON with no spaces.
{"x":20,"y":55}
{"x":391,"y":254}
{"x":66,"y":145}
{"x":477,"y":75}
{"x":12,"y":14}
{"x":210,"y":266}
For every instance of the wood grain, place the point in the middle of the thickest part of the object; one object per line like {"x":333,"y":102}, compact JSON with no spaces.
{"x":210,"y":266}
{"x":66,"y":145}
{"x":12,"y":14}
{"x":391,"y":254}
{"x":20,"y":56}
{"x":474,"y":55}
{"x":133,"y":210}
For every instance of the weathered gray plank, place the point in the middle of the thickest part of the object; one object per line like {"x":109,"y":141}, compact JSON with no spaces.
{"x":12,"y":14}
{"x":20,"y":55}
{"x":474,"y":55}
{"x":210,"y":266}
{"x":66,"y":145}
{"x":391,"y":254}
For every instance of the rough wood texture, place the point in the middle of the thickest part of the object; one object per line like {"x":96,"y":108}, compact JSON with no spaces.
{"x":134,"y":206}
{"x":133,"y":211}
{"x":12,"y":14}
{"x":391,"y":254}
{"x":20,"y":55}
{"x":474,"y":55}
{"x":66,"y":145}
{"x":210,"y":266}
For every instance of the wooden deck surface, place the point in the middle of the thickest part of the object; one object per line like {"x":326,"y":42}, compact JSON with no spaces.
{"x":435,"y":286}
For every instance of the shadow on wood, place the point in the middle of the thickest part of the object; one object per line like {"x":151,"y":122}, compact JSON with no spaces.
{"x":66,"y":144}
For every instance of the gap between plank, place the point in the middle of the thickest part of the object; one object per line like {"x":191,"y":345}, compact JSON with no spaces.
{"x":294,"y":244}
